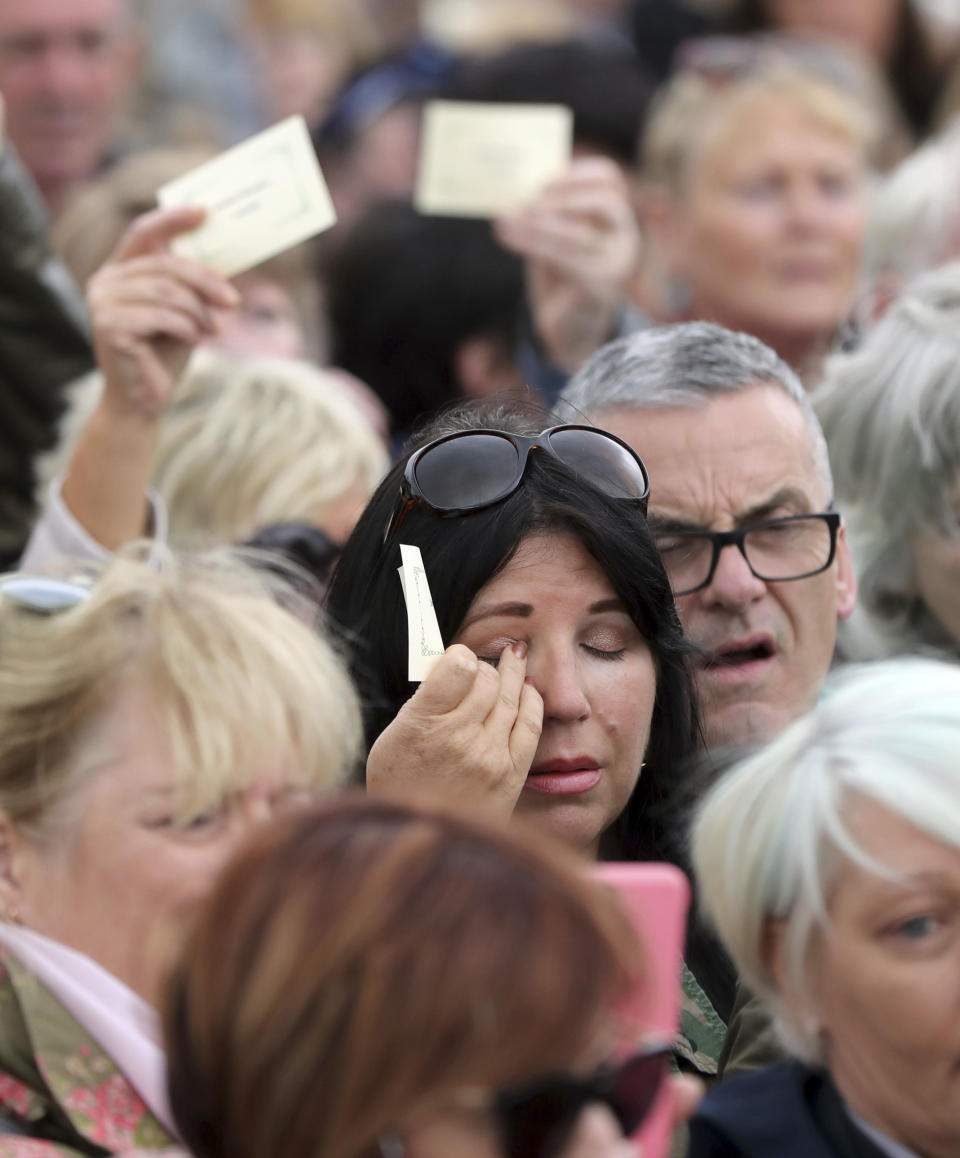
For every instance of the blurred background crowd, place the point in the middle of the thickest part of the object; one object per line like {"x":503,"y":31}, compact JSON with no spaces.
{"x":741,"y":303}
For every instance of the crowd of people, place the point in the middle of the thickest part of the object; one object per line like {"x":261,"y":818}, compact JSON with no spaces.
{"x":678,"y":441}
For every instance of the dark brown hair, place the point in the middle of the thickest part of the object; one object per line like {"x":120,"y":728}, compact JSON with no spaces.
{"x":364,"y":961}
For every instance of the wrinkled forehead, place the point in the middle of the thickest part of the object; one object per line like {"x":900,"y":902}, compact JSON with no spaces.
{"x":720,"y":463}
{"x":63,"y":17}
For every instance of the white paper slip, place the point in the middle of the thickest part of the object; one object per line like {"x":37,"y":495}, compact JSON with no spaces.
{"x":479,"y":160}
{"x":425,"y":645}
{"x":261,"y":197}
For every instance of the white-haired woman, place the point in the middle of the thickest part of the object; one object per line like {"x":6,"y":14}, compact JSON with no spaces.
{"x":830,"y":863}
{"x":914,"y":223}
{"x":891,"y":415}
{"x":148,"y":723}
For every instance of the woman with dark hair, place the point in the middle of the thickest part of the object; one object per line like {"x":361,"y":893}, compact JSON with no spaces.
{"x":539,"y":560}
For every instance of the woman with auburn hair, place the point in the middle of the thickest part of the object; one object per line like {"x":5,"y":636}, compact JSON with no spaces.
{"x":449,"y":990}
{"x":148,"y":722}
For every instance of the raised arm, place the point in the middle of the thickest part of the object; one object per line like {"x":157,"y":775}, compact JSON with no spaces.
{"x":581,"y":242}
{"x":149,"y":309}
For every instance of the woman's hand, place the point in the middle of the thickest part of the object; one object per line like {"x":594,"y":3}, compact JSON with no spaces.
{"x":468,"y":735}
{"x":581,"y":242}
{"x":149,"y":309}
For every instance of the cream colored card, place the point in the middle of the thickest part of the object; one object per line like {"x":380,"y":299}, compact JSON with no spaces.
{"x":262,"y":197}
{"x":479,"y":160}
{"x":425,"y":644}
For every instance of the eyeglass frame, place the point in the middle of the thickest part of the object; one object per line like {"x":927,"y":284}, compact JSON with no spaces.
{"x":411,"y":492}
{"x":720,"y":539}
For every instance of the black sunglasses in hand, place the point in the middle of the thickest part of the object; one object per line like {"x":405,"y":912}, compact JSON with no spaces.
{"x":537,"y":1119}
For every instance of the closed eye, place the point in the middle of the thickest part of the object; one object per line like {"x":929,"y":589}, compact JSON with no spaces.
{"x":602,"y":653}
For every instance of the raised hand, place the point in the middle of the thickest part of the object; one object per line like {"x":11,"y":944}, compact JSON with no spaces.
{"x":149,"y":309}
{"x":467,"y":736}
{"x":581,"y":242}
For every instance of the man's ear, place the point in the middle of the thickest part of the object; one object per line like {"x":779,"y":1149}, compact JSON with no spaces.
{"x":846,"y":577}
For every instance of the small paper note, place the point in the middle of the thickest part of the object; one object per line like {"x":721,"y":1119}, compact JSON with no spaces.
{"x":425,"y":644}
{"x":479,"y":160}
{"x":262,"y":197}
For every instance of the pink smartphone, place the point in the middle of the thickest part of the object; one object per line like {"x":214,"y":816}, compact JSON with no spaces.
{"x":655,"y":898}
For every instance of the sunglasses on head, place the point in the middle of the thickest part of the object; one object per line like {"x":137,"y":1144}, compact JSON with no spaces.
{"x":40,"y":595}
{"x":537,"y":1119}
{"x":472,"y":469}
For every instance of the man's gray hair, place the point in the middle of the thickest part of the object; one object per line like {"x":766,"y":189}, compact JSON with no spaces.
{"x":684,"y":365}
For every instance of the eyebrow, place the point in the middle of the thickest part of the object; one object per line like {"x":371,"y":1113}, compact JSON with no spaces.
{"x":525,"y":610}
{"x":791,"y":497}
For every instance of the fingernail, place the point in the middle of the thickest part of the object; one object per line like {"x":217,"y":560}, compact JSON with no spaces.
{"x":519,"y":649}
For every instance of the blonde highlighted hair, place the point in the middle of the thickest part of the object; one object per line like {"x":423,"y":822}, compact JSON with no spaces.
{"x":693,"y":108}
{"x":236,"y":680}
{"x":246,"y":443}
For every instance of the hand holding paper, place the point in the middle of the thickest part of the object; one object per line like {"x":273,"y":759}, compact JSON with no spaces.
{"x":261,"y":197}
{"x":470,"y":732}
{"x":480,"y":160}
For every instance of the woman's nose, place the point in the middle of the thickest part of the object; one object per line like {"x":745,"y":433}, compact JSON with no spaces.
{"x":557,"y":677}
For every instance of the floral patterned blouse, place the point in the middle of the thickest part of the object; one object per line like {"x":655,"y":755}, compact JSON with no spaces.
{"x":61,"y":1096}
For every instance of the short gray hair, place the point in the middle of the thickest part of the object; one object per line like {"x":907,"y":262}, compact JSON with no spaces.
{"x":891,"y":413}
{"x":684,"y":365}
{"x":771,"y":836}
{"x":914,"y":215}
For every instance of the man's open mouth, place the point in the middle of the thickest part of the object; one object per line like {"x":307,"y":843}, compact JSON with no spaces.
{"x":737,"y":655}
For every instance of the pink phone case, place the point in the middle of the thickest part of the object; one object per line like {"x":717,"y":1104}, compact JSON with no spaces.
{"x":656,"y":898}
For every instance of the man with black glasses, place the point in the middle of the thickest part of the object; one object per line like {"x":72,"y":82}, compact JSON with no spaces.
{"x":741,"y":506}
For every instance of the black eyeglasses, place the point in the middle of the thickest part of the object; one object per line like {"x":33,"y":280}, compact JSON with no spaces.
{"x":538,"y":1118}
{"x":775,"y":550}
{"x":472,"y":469}
{"x":40,"y":595}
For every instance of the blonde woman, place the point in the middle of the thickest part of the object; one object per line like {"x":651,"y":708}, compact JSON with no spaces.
{"x":753,"y":204}
{"x":148,"y":723}
{"x":207,"y":453}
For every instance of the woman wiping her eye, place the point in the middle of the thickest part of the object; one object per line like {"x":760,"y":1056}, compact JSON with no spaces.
{"x":540,"y":562}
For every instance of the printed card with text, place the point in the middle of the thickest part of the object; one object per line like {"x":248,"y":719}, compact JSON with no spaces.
{"x":423,"y":632}
{"x":480,"y":160}
{"x":263,"y":197}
